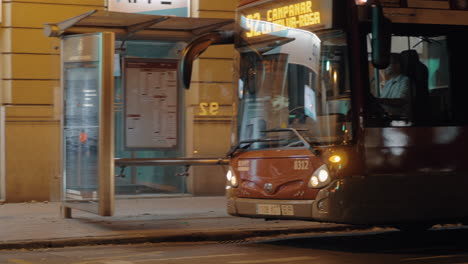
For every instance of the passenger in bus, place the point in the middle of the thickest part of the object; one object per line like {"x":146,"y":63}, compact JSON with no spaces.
{"x":395,"y":96}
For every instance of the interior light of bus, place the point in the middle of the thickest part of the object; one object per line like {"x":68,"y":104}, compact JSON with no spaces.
{"x":335,"y":76}
{"x":335,"y":159}
{"x":327,"y":65}
{"x":361,"y":2}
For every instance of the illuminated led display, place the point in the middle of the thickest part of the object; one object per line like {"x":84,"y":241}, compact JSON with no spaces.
{"x":297,"y":15}
{"x":267,"y":18}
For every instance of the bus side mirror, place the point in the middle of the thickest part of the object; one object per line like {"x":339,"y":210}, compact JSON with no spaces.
{"x":197,"y":47}
{"x":381,"y":38}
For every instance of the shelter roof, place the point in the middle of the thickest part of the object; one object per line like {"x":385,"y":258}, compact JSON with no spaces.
{"x":131,"y":26}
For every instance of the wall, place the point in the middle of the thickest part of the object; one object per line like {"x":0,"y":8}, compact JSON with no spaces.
{"x":30,"y":93}
{"x":209,"y":104}
{"x":2,"y":154}
{"x":31,"y":96}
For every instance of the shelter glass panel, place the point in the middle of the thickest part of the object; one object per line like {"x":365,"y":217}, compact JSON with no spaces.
{"x":88,"y":158}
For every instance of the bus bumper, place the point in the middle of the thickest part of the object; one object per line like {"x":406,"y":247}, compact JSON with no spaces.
{"x":372,"y":200}
{"x":270,"y":209}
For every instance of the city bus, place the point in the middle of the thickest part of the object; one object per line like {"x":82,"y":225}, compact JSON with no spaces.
{"x":348,"y":111}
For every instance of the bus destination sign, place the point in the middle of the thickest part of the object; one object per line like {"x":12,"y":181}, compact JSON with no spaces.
{"x":273,"y":16}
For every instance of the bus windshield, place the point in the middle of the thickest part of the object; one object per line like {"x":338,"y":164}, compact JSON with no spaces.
{"x":294,"y":79}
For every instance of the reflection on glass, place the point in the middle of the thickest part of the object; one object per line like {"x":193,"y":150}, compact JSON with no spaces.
{"x":81,"y":131}
{"x":294,"y":79}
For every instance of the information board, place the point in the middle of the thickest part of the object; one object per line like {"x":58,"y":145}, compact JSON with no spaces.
{"x":151,"y":102}
{"x":87,"y":125}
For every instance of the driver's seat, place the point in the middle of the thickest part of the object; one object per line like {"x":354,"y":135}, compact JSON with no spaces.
{"x":418,"y":73}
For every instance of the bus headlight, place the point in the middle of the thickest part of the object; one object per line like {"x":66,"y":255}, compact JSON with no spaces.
{"x":323,"y":175}
{"x":231,"y":178}
{"x":320,"y":177}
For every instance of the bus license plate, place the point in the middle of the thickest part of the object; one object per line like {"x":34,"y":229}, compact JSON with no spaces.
{"x":275,"y":209}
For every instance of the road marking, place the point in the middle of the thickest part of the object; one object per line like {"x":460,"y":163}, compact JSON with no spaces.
{"x":19,"y":261}
{"x":117,"y":262}
{"x":105,"y":261}
{"x":114,"y":258}
{"x":193,"y":257}
{"x":435,"y":257}
{"x":273,"y":260}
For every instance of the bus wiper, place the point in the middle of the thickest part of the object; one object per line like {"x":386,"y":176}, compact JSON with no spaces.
{"x":246,"y":143}
{"x":295,"y":131}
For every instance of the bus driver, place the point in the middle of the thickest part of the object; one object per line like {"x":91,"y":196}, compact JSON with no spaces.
{"x":395,"y":96}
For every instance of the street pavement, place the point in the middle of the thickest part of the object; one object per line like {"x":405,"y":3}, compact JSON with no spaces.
{"x":162,"y":219}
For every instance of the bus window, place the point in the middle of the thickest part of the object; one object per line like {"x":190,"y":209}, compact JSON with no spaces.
{"x":415,"y":89}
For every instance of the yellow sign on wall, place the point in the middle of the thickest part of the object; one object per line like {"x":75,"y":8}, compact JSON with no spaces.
{"x":211,"y":108}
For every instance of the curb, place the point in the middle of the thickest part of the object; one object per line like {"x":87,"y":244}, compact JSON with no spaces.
{"x":195,"y":236}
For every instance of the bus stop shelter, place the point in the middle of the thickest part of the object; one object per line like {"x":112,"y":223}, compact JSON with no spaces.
{"x":89,"y":43}
{"x":129,"y":26}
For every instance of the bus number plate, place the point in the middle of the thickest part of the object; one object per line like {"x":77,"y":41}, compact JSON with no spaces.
{"x":275,"y":209}
{"x":301,"y":164}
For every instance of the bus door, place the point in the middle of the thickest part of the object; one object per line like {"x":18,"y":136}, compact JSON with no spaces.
{"x":87,"y":124}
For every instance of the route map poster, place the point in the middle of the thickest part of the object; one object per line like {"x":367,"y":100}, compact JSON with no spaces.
{"x":151,"y":102}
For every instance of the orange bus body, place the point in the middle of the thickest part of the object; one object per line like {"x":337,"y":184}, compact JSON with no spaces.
{"x":389,"y":174}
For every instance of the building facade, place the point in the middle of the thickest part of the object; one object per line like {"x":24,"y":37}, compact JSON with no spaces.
{"x":30,"y":96}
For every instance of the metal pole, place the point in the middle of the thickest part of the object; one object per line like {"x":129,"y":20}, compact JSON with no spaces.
{"x":170,"y":161}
